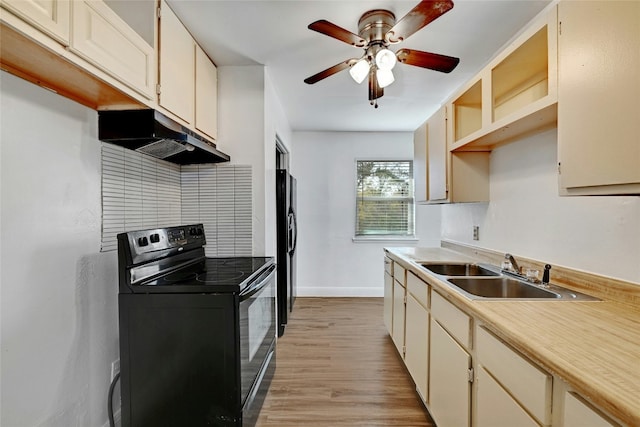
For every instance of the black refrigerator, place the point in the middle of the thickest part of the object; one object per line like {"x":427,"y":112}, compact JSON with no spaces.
{"x":287,"y":229}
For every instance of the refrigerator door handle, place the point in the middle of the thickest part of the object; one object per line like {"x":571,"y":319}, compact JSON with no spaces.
{"x":293,"y":232}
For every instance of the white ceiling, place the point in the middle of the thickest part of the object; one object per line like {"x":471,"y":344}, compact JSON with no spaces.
{"x":275,"y":34}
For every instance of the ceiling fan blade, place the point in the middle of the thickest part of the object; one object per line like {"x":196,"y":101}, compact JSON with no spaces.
{"x":330,"y":71}
{"x":433,"y":61}
{"x":424,"y":12}
{"x":332,"y":30}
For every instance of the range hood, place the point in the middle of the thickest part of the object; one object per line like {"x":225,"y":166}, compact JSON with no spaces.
{"x":152,"y":133}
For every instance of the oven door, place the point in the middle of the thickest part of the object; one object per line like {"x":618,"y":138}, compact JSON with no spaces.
{"x":257,"y":331}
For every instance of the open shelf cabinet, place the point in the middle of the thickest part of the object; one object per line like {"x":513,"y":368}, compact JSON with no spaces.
{"x":514,"y":95}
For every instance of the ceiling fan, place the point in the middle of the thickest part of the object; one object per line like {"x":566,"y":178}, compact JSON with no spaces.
{"x":377,"y":30}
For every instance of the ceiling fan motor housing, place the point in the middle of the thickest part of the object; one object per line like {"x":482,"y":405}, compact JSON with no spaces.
{"x":375,"y":24}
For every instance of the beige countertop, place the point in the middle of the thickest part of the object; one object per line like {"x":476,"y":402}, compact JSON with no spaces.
{"x":592,"y":345}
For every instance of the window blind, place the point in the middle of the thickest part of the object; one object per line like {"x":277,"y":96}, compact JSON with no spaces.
{"x":384,"y":198}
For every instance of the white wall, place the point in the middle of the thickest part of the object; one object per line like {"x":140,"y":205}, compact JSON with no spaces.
{"x":527,"y":217}
{"x":329,"y":262}
{"x":276,"y":125}
{"x":250,"y":116}
{"x":241,"y":132}
{"x":58,"y":293}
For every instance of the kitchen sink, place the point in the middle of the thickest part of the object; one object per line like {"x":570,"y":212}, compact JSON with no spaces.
{"x":501,"y":287}
{"x":458,"y":269}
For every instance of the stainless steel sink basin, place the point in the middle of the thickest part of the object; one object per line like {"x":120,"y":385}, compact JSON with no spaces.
{"x":501,"y":287}
{"x":458,"y":269}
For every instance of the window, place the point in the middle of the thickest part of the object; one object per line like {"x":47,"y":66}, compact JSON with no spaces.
{"x":384,"y":198}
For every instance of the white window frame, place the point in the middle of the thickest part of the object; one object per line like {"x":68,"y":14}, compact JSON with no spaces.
{"x":375,"y":237}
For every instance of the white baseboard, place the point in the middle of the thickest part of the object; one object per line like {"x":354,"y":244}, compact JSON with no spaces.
{"x":322,"y":291}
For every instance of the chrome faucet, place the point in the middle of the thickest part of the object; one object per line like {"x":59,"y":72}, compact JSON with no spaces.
{"x":514,"y":263}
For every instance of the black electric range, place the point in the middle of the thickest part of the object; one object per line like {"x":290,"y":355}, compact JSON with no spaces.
{"x":197,"y":334}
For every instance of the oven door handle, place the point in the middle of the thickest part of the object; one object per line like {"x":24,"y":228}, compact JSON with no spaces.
{"x":259,"y":283}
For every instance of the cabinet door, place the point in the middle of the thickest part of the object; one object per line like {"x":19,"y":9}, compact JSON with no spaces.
{"x":417,"y":344}
{"x":420,"y":160}
{"x":177,"y":66}
{"x":578,"y":414}
{"x":388,"y":302}
{"x":437,"y":156}
{"x":104,"y":39}
{"x":496,"y":408}
{"x":449,"y":387}
{"x":206,"y":94}
{"x":598,"y":92}
{"x":398,"y":316}
{"x":53,"y":17}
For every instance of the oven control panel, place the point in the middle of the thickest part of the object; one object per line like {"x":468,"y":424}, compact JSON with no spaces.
{"x":145,"y":245}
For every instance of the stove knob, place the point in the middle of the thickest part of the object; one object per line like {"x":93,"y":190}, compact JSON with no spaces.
{"x":155,"y":238}
{"x":142,"y":241}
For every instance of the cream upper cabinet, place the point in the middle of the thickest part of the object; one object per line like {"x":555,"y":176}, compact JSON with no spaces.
{"x":177,"y":66}
{"x":599,"y":89}
{"x":442,"y":176}
{"x":52,"y":17}
{"x":206,"y":94}
{"x":104,"y":39}
{"x":420,"y":163}
{"x":578,"y":413}
{"x":514,"y":95}
{"x":437,"y":156}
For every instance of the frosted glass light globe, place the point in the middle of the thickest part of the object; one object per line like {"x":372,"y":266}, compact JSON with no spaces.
{"x":386,"y":59}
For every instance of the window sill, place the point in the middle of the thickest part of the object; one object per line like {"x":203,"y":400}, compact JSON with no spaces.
{"x":385,"y":239}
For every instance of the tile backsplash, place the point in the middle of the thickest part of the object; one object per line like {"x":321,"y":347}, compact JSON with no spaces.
{"x":140,"y":192}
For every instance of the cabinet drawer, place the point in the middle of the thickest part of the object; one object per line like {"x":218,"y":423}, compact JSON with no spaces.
{"x":454,"y":320}
{"x":527,"y":383}
{"x":388,"y":266}
{"x":418,"y":288}
{"x":399,"y":273}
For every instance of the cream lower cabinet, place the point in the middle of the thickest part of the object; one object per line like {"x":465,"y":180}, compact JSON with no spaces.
{"x":578,"y":413}
{"x":449,"y":387}
{"x":388,"y":295}
{"x":416,"y":355}
{"x":511,"y":391}
{"x":450,"y":369}
{"x":398,"y":316}
{"x":496,"y":407}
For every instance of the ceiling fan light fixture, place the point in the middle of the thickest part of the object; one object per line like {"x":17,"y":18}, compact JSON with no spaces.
{"x":385,"y":59}
{"x":385,"y":78}
{"x":360,"y":70}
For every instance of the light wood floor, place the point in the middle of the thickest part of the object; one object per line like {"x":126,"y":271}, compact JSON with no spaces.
{"x":337,"y":366}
